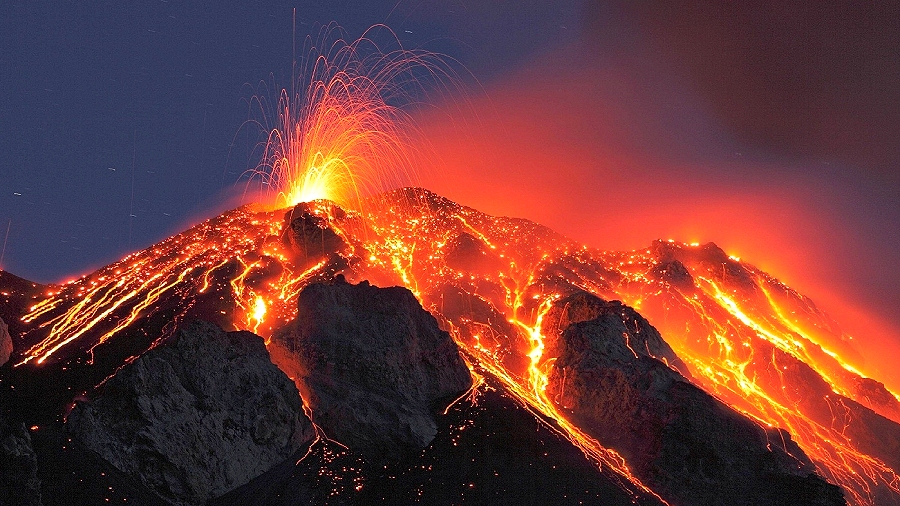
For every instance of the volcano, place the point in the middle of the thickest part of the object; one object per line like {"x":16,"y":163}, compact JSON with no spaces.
{"x":509,"y":364}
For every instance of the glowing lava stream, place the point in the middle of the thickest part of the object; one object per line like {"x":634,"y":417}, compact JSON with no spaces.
{"x":730,"y":356}
{"x":176,"y":272}
{"x":241,"y":255}
{"x":405,"y":248}
{"x":538,"y":379}
{"x":743,"y":361}
{"x":838,"y":459}
{"x":339,"y":136}
{"x":533,"y":393}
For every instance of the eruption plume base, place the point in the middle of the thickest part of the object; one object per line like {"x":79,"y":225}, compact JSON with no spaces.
{"x":345,"y":131}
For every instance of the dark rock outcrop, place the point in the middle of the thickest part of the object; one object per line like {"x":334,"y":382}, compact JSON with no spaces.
{"x":373,"y":366}
{"x":674,"y":273}
{"x":6,"y":345}
{"x":17,"y":295}
{"x":19,"y":483}
{"x":197,"y":417}
{"x":478,"y":323}
{"x":465,"y":252}
{"x":877,"y":395}
{"x":683,"y":443}
{"x":636,"y":336}
{"x":308,"y":233}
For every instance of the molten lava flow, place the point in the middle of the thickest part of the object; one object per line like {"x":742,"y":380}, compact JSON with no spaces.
{"x":746,"y":338}
{"x":340,"y":134}
{"x":772,"y":356}
{"x":238,"y":256}
{"x":413,"y":247}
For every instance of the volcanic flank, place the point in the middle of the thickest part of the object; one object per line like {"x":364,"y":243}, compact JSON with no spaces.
{"x":539,"y":371}
{"x":373,"y":365}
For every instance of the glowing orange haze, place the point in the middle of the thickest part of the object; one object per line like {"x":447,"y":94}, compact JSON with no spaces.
{"x":579,"y":150}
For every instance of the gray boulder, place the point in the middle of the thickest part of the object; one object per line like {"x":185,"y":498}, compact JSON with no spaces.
{"x":19,"y":484}
{"x":373,"y":366}
{"x":638,"y":337}
{"x":196,"y":417}
{"x":6,"y":345}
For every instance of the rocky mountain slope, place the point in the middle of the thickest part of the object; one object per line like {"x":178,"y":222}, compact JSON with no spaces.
{"x":526,"y":380}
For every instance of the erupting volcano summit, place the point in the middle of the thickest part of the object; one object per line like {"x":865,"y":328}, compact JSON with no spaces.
{"x":676,"y":373}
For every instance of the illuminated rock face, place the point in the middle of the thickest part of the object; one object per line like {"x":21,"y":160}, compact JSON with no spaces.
{"x":6,"y":345}
{"x":496,"y":284}
{"x":683,"y":443}
{"x":374,"y":366}
{"x":197,"y":417}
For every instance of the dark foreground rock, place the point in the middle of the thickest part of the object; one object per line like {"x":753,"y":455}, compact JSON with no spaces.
{"x":373,"y":366}
{"x":489,"y":450}
{"x":19,"y":484}
{"x":6,"y":345}
{"x":71,"y":474}
{"x":684,"y":444}
{"x":197,"y":417}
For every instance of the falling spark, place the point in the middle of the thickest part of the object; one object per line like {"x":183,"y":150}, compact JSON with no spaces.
{"x":344,"y":132}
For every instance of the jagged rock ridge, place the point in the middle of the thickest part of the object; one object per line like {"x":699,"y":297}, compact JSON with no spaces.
{"x":372,"y":364}
{"x":486,"y":279}
{"x":689,"y":447}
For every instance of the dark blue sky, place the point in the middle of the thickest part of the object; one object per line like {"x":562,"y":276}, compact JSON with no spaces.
{"x":120,"y":122}
{"x":106,"y":100}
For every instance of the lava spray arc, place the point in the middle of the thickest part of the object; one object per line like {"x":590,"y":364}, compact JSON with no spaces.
{"x":341,"y":133}
{"x":345,"y":129}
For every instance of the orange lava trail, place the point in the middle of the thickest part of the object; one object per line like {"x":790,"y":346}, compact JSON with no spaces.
{"x":410,"y":249}
{"x":736,"y":352}
{"x":99,"y":306}
{"x":741,"y":346}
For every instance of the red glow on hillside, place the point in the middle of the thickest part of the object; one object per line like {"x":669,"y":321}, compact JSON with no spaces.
{"x":596,"y":160}
{"x":746,"y":337}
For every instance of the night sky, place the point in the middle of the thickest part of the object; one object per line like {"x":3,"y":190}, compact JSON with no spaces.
{"x":104,"y":95}
{"x":773,"y":130}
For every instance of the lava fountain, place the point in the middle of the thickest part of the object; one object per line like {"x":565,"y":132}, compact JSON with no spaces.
{"x":344,"y":130}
